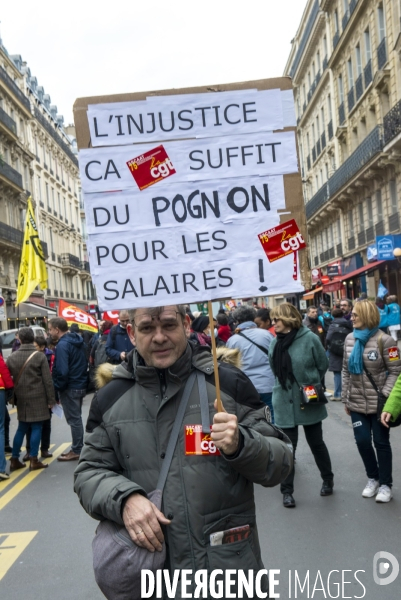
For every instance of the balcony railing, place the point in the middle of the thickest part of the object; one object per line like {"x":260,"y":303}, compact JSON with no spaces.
{"x":394,"y":222}
{"x":345,"y":19}
{"x":392,"y":123}
{"x":325,"y":61}
{"x":370,"y":234}
{"x":316,"y":261}
{"x":46,"y":125}
{"x":69,"y":260}
{"x":351,"y":243}
{"x":305,"y":38}
{"x":368,"y":73}
{"x":336,"y":38}
{"x":11,"y":174}
{"x":339,"y":249}
{"x":53,"y":256}
{"x":13,"y":87}
{"x":371,"y":145}
{"x":330,"y":129}
{"x":10,"y":234}
{"x":313,"y":154}
{"x":379,"y":228}
{"x":318,"y":148}
{"x":361,"y":238}
{"x":381,"y":54}
{"x":8,"y":121}
{"x":341,"y":113}
{"x":323,"y":140}
{"x":308,"y":162}
{"x":359,"y":87}
{"x":41,"y":204}
{"x":85,"y":266}
{"x":351,"y":99}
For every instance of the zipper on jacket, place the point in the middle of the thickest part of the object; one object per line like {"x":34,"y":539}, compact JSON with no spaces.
{"x":118,"y":432}
{"x":163,"y":383}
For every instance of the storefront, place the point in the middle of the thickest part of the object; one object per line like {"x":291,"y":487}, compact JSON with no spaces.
{"x":352,"y":284}
{"x":28,"y":313}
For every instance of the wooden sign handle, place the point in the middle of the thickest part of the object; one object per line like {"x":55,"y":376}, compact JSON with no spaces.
{"x":215,"y":363}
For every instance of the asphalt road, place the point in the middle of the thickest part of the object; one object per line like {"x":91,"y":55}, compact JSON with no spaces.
{"x":45,"y":536}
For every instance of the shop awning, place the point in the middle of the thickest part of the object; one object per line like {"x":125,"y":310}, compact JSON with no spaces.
{"x":336,"y":283}
{"x":310,"y":295}
{"x":30,"y":310}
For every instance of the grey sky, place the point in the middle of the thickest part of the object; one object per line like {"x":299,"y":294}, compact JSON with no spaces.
{"x":86,"y":47}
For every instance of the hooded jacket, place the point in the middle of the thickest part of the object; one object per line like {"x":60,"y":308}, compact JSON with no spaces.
{"x":70,"y":365}
{"x":118,"y":341}
{"x":309,"y":364}
{"x":127,"y":436}
{"x":383,"y":362}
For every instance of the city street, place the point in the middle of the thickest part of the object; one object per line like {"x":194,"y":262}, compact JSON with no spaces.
{"x":45,"y":536}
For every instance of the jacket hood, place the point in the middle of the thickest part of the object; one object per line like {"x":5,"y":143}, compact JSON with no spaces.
{"x":201,"y":357}
{"x":72,"y":338}
{"x":303,"y":331}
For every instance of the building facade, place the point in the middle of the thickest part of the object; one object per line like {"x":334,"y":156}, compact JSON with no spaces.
{"x":38,"y":158}
{"x":346,"y":70}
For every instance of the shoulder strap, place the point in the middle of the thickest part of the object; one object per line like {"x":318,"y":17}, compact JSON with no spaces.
{"x":176,"y":430}
{"x":372,"y":381}
{"x":264,"y":350}
{"x":23,"y":367}
{"x":381,"y":346}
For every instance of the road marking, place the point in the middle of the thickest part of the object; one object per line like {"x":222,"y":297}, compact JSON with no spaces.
{"x":12,"y":546}
{"x":16,"y":474}
{"x":18,"y":487}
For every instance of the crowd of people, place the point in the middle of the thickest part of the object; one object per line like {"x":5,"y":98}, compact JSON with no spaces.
{"x":280,"y":351}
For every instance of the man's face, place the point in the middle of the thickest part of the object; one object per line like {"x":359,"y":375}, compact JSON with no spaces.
{"x":124,"y":319}
{"x":345,"y":307}
{"x":54,"y":332}
{"x":312,"y":313}
{"x":263,"y":324}
{"x":160,"y":338}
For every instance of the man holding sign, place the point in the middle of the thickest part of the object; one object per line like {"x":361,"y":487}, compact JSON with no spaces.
{"x":216,"y":461}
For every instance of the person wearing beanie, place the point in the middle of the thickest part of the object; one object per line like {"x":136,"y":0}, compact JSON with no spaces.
{"x":201,"y":331}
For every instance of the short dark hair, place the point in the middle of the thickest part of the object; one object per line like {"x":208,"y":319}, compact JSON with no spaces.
{"x":59,"y":323}
{"x":336,"y":313}
{"x":26,"y":335}
{"x":263,"y":314}
{"x":244,"y":313}
{"x":348,"y":301}
{"x":40,"y":341}
{"x":222,"y":319}
{"x":106,"y":325}
{"x":311,"y":307}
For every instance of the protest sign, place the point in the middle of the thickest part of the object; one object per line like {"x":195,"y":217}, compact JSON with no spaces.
{"x":177,"y":220}
{"x":72,"y":314}
{"x":186,"y":116}
{"x":105,"y":169}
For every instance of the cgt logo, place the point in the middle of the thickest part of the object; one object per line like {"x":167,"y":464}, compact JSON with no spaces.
{"x":381,"y":565}
{"x":208,"y":446}
{"x":163,"y":169}
{"x":293,"y":243}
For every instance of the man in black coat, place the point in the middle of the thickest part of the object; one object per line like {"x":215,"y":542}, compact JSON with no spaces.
{"x":338,"y":330}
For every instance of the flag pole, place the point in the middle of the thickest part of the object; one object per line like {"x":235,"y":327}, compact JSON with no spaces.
{"x":215,"y":363}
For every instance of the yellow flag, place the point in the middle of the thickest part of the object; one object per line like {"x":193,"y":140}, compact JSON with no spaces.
{"x":32,"y":270}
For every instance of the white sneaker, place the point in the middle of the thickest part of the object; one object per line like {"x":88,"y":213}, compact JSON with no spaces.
{"x":385,"y":494}
{"x":4,"y":476}
{"x":371,"y":488}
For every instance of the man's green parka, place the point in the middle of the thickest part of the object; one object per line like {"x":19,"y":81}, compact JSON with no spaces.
{"x":124,"y":449}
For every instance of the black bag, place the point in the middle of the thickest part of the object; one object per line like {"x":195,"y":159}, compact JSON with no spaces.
{"x":337,"y":341}
{"x":312,"y":394}
{"x":381,"y":401}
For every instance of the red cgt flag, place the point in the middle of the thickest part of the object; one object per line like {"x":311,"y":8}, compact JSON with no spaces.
{"x":72,"y":314}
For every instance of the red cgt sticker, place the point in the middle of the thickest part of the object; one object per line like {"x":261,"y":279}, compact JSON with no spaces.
{"x":197,"y":442}
{"x":393,"y":353}
{"x":151,"y":167}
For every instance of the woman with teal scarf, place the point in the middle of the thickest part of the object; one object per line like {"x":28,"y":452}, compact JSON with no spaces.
{"x":369,"y":350}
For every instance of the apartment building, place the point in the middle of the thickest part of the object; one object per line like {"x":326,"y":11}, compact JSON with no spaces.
{"x":345,"y":64}
{"x":38,"y":158}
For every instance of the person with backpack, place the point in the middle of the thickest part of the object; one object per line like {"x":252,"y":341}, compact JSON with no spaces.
{"x":253,"y":343}
{"x":326,"y":317}
{"x":371,"y":367}
{"x":98,"y":354}
{"x":338,"y":330}
{"x":118,"y":343}
{"x":393,"y":317}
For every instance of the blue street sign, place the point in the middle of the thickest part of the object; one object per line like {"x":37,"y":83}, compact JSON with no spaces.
{"x":385,"y":246}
